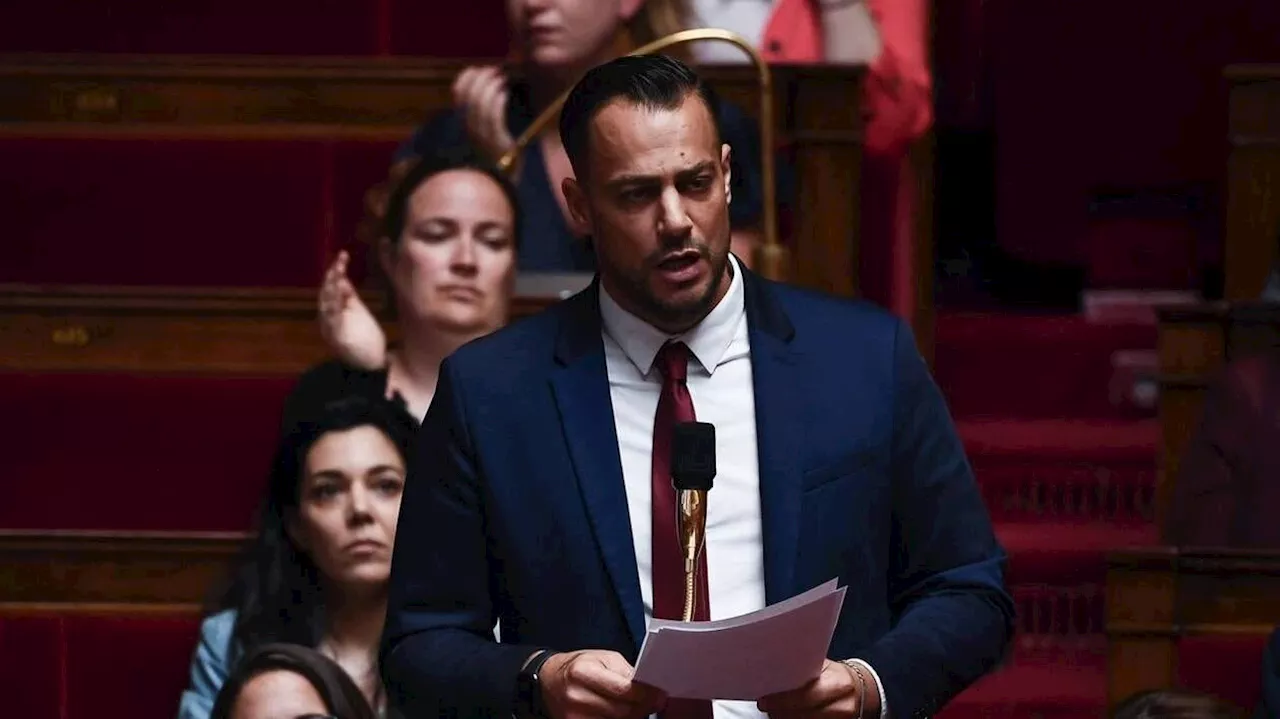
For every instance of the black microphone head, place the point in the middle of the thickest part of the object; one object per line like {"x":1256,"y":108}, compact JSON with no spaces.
{"x":693,"y":455}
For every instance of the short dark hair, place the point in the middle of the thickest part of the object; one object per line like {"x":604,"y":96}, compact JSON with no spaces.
{"x":657,"y":82}
{"x":428,"y":166}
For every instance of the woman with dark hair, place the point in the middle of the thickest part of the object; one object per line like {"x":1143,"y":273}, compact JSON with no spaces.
{"x":279,"y":680}
{"x":316,"y":572}
{"x":445,"y":237}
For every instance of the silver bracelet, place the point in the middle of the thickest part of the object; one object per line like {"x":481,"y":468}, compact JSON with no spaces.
{"x":856,"y":667}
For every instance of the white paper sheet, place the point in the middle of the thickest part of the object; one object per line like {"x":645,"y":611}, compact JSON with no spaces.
{"x":780,"y":647}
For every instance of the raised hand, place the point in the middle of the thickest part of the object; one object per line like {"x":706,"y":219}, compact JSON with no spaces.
{"x":346,"y":323}
{"x":481,"y":94}
{"x":595,"y":684}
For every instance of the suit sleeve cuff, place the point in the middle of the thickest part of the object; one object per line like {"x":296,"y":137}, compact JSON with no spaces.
{"x":884,"y":705}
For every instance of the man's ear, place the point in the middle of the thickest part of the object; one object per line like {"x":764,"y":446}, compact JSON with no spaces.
{"x":575,"y":200}
{"x":727,"y":168}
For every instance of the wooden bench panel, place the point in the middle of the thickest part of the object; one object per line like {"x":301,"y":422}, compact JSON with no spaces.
{"x":1168,"y":607}
{"x":1253,"y":179}
{"x":168,"y":330}
{"x":96,"y":572}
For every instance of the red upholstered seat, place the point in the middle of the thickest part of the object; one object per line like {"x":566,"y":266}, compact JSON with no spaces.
{"x":180,"y":211}
{"x":136,"y":453}
{"x":1229,"y":666}
{"x":163,"y":212}
{"x":32,"y":667}
{"x":280,"y":27}
{"x":85,"y":666}
{"x":132,"y":666}
{"x":358,"y":166}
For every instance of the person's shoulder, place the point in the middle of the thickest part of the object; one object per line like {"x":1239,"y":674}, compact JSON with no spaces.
{"x":216,"y":636}
{"x":815,"y":311}
{"x":216,"y":629}
{"x":509,"y":358}
{"x":521,"y":342}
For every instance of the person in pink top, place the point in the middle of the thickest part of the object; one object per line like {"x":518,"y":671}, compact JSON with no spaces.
{"x":890,"y":37}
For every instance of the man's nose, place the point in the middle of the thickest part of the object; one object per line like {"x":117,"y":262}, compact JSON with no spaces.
{"x":673,"y":220}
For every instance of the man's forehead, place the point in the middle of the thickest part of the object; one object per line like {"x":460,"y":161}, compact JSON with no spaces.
{"x":627,"y":137}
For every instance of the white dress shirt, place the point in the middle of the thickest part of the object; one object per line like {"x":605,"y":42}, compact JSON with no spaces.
{"x":720,"y":384}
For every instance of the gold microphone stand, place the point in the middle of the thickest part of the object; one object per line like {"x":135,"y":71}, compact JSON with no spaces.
{"x":771,"y":257}
{"x":693,"y":527}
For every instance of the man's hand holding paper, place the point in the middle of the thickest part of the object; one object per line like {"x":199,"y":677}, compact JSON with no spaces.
{"x":780,"y":648}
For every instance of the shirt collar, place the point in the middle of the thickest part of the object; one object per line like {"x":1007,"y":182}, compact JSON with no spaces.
{"x":708,"y":340}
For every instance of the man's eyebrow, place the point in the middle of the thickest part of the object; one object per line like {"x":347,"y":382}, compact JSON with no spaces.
{"x":622,"y":180}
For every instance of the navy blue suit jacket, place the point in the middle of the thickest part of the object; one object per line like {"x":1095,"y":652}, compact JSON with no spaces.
{"x":515,"y":510}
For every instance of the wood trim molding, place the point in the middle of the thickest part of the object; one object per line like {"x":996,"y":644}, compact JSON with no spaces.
{"x":1158,"y":595}
{"x":108,"y":572}
{"x":162,"y":330}
{"x":1253,"y":175}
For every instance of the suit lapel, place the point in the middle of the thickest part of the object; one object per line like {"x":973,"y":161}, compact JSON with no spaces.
{"x":581,"y":389}
{"x":776,"y":376}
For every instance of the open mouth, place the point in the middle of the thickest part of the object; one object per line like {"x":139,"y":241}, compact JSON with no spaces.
{"x":680,"y":261}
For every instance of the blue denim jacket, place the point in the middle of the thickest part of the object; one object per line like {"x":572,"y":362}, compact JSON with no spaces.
{"x":209,"y":667}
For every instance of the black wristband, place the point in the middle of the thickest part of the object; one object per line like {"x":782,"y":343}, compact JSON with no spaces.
{"x":535,"y":665}
{"x":529,"y":704}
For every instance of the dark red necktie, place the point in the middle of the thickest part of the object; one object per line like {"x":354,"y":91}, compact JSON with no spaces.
{"x":674,"y":405}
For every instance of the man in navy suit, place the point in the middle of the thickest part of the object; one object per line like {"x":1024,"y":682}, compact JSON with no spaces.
{"x":540,"y":498}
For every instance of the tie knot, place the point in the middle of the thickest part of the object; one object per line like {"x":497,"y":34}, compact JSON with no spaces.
{"x":673,"y":361}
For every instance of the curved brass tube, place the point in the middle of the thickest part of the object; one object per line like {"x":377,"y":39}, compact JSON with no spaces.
{"x":771,"y":256}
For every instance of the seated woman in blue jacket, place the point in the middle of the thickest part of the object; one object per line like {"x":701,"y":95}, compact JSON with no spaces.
{"x":316,"y":573}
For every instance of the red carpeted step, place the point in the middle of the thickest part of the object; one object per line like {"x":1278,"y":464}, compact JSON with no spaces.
{"x":1066,"y":553}
{"x":1064,"y":470}
{"x":1033,"y":366}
